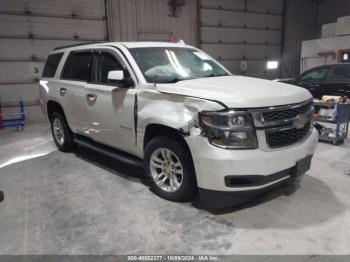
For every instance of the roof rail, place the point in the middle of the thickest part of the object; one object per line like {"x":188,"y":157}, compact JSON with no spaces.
{"x":80,"y":44}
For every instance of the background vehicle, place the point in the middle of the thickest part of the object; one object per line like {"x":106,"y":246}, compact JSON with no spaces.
{"x":195,"y":126}
{"x":324,"y":80}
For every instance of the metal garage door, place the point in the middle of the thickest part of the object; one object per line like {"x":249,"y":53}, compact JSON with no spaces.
{"x":29,"y":29}
{"x":243,"y":30}
{"x":152,"y":20}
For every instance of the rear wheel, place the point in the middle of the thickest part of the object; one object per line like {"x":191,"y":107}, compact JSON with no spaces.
{"x":61,"y":133}
{"x":170,"y":167}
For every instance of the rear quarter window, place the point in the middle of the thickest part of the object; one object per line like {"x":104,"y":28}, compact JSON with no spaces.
{"x":340,"y":73}
{"x":52,"y":64}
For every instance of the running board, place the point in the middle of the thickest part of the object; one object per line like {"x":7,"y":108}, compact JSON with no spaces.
{"x":109,"y":152}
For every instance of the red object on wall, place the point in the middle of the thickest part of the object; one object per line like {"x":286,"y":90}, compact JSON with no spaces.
{"x":1,"y":118}
{"x":173,"y":39}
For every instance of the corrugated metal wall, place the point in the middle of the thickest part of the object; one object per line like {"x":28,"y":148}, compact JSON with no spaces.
{"x":242,"y":30}
{"x":230,"y":30}
{"x":329,"y":11}
{"x":140,"y":20}
{"x":300,"y":24}
{"x":30,"y":29}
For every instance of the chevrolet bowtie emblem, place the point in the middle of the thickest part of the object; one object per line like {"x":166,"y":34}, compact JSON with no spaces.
{"x":300,"y":122}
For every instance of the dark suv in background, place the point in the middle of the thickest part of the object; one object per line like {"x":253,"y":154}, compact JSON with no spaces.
{"x":324,"y":80}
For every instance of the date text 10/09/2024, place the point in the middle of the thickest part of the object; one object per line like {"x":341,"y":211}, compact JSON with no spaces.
{"x":173,"y":258}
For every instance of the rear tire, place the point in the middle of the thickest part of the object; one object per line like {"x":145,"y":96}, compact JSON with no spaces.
{"x":61,"y":133}
{"x":170,"y":167}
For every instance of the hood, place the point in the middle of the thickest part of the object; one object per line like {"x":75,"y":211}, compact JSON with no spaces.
{"x":238,"y":91}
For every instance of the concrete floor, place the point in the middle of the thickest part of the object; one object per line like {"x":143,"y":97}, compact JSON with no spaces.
{"x":82,"y":203}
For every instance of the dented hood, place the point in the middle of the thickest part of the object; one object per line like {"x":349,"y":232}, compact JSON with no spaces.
{"x":238,"y":91}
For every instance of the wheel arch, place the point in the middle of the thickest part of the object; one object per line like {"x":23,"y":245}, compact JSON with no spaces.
{"x":153,"y":130}
{"x":54,"y":106}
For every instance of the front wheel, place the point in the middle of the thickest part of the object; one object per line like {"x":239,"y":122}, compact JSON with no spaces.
{"x":170,"y":167}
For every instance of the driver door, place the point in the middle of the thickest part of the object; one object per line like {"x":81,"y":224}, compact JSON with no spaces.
{"x":109,"y":105}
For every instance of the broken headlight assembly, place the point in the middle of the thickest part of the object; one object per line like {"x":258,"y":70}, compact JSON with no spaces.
{"x":229,"y":129}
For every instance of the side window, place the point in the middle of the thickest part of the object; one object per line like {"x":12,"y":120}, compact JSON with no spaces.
{"x":314,"y":75}
{"x":340,"y":73}
{"x":78,"y":66}
{"x":105,"y":62}
{"x":52,"y":64}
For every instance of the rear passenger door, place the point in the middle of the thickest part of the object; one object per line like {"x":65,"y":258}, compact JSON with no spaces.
{"x":75,"y":74}
{"x":111,"y":106}
{"x":338,"y":81}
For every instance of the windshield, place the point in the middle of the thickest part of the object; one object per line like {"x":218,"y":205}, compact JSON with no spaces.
{"x":173,"y":64}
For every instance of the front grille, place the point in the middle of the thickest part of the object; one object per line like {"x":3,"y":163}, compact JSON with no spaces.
{"x":278,"y":115}
{"x":287,"y":137}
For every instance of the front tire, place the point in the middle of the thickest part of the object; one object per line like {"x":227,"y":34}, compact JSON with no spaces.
{"x":61,"y":133}
{"x":170,"y":167}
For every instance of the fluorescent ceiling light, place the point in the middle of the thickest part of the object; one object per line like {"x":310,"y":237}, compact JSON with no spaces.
{"x":272,"y":65}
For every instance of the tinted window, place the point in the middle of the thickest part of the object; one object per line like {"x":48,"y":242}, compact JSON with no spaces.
{"x":78,"y":66}
{"x":340,"y":73}
{"x":52,"y":64}
{"x":105,"y":62}
{"x":314,"y":75}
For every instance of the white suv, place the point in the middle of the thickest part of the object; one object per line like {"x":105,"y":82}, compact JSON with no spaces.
{"x":198,"y":129}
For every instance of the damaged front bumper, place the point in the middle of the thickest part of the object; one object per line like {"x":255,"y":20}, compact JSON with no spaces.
{"x":230,"y":177}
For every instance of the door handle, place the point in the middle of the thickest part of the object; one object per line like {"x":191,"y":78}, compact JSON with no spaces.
{"x":91,"y":98}
{"x":316,"y":85}
{"x":63,"y":91}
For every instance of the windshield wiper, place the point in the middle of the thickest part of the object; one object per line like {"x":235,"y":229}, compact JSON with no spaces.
{"x":174,"y":80}
{"x":213,"y":75}
{"x":177,"y":79}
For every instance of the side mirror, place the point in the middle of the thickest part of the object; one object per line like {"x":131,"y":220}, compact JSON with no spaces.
{"x":119,"y":78}
{"x":116,"y":75}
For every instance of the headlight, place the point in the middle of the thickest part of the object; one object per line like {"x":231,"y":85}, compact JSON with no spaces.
{"x":229,"y":129}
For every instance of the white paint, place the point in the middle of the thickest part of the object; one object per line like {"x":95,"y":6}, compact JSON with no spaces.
{"x":209,"y":159}
{"x":238,"y":91}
